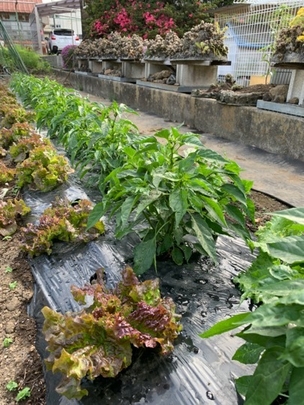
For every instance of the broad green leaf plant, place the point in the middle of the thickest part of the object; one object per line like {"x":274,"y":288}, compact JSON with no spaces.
{"x":176,"y":204}
{"x":274,"y":331}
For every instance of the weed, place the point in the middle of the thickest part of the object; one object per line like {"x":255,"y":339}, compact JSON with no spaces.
{"x":12,"y":285}
{"x":8,"y":269}
{"x":22,"y":394}
{"x":25,"y":393}
{"x":11,"y":386}
{"x":7,"y":342}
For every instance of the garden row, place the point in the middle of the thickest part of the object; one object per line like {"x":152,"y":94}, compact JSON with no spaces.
{"x":32,"y":161}
{"x":132,"y":314}
{"x":178,"y":206}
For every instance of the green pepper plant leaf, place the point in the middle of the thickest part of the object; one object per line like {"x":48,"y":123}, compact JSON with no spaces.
{"x":177,"y":205}
{"x":274,"y":331}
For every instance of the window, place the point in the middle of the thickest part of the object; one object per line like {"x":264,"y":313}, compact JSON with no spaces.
{"x":23,"y":17}
{"x":63,"y":32}
{"x":4,"y":16}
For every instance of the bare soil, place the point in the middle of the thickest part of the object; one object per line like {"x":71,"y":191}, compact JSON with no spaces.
{"x":20,"y":361}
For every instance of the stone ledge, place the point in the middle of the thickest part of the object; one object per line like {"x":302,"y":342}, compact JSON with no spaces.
{"x":270,"y":131}
{"x":281,"y":108}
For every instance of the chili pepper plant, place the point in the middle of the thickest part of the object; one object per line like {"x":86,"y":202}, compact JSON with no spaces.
{"x":176,"y":204}
{"x":274,"y":331}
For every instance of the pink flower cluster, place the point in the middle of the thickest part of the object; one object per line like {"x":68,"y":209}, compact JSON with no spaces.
{"x":163,"y":22}
{"x":100,"y":28}
{"x":123,"y":20}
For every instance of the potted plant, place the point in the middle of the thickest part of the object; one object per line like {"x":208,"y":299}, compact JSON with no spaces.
{"x":289,"y":47}
{"x":162,"y":48}
{"x":204,"y":41}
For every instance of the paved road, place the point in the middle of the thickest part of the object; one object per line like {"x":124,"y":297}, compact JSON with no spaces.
{"x":272,"y":174}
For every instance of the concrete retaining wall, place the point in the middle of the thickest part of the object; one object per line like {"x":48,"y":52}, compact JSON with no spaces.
{"x":271,"y":131}
{"x":54,"y":60}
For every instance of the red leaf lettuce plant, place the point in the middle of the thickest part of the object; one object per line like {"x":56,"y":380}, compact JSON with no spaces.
{"x":14,"y":113}
{"x":99,"y":339}
{"x":10,"y":111}
{"x":23,"y":148}
{"x":40,"y":166}
{"x":6,"y":174}
{"x":43,"y":170}
{"x":62,"y":221}
{"x":17,"y":131}
{"x":10,"y":211}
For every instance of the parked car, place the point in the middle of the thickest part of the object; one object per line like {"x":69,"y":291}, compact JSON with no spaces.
{"x":61,"y":37}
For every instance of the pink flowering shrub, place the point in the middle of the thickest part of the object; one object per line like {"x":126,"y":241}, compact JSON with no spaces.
{"x":141,"y":18}
{"x":67,"y":56}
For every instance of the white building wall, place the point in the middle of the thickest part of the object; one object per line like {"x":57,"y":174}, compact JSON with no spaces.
{"x":70,"y":20}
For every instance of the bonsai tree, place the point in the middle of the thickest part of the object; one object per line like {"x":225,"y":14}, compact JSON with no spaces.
{"x":205,"y":39}
{"x":291,"y":39}
{"x":164,"y":47}
{"x":114,"y":45}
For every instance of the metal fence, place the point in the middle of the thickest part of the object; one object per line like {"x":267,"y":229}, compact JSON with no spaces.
{"x":9,"y":53}
{"x":251,"y":31}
